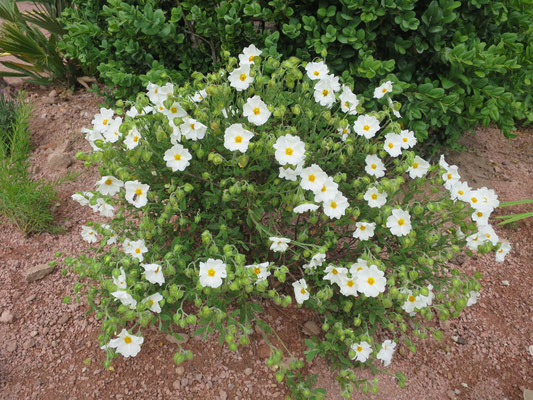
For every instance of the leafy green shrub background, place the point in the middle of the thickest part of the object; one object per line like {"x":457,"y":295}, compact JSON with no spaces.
{"x":456,"y":64}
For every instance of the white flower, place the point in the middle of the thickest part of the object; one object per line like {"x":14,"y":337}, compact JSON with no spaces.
{"x":175,"y":136}
{"x":473,"y":241}
{"x":418,"y":168}
{"x":135,"y":248}
{"x":248,"y":55}
{"x":487,"y":233}
{"x":412,"y":303}
{"x":158,"y":94}
{"x":105,"y":209}
{"x":240,"y":78}
{"x":328,"y":191}
{"x":380,"y":91}
{"x":236,"y":138}
{"x":136,"y":193}
{"x":489,"y":199}
{"x":103,"y":119}
{"x":261,"y":271}
{"x":89,"y":234}
{"x":473,"y":297}
{"x":289,"y":150}
{"x":366,"y":125}
{"x":92,"y":136}
{"x":335,"y":274}
{"x":407,"y":139}
{"x":364,"y":230}
{"x":386,"y":352}
{"x":125,"y":298}
{"x":375,"y":198}
{"x":371,"y":281}
{"x":374,"y":166}
{"x":480,"y":217}
{"x":344,"y":132}
{"x":348,"y":286}
{"x":212,"y":272}
{"x":305,"y":207}
{"x":358,"y":266}
{"x":399,"y":222}
{"x":192,"y":129}
{"x":460,"y":190}
{"x":112,"y":133}
{"x":316,"y":70}
{"x":120,"y":281}
{"x":154,"y":300}
{"x":132,"y":138}
{"x":393,"y":144}
{"x":279,"y":244}
{"x":111,"y":233}
{"x":317,"y":260}
{"x":325,"y":90}
{"x":199,"y":96}
{"x":313,"y":178}
{"x":442,"y":162}
{"x":153,"y":273}
{"x":256,"y":111}
{"x":451,"y":176}
{"x":362,"y":351}
{"x":291,"y":174}
{"x":109,"y":185}
{"x":426,"y":301}
{"x":177,"y":157}
{"x":391,"y":104}
{"x":336,"y":207}
{"x":504,"y":249}
{"x":300,"y":291}
{"x":126,"y":344}
{"x":348,"y":101}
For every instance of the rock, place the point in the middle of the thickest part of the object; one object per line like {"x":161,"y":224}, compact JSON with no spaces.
{"x":35,"y":169}
{"x":28,"y":343}
{"x":11,"y":347}
{"x":530,"y":349}
{"x":34,"y":333}
{"x":7,"y":317}
{"x":180,"y":370}
{"x":64,"y":319}
{"x":455,"y":338}
{"x":311,"y":328}
{"x":177,"y":384}
{"x":52,"y":93}
{"x":223,"y":395}
{"x":263,"y":351}
{"x":172,"y":339}
{"x":505,"y":283}
{"x":528,"y":394}
{"x":64,"y":147}
{"x":38,"y":272}
{"x":248,"y":371}
{"x":59,"y":161}
{"x":451,"y":394}
{"x":461,"y":340}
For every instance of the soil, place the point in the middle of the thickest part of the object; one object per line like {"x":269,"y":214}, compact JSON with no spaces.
{"x":50,"y":349}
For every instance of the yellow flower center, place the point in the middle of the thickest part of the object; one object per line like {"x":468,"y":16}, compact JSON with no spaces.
{"x":127,"y":340}
{"x":373,"y":166}
{"x":325,"y":92}
{"x":312,"y":178}
{"x":412,"y":299}
{"x":136,"y":139}
{"x":192,"y":126}
{"x":137,"y":250}
{"x":479,"y":214}
{"x":302,"y":291}
{"x":390,"y":145}
{"x":151,"y":302}
{"x":157,"y":270}
{"x":334,"y":271}
{"x":362,"y":227}
{"x":156,"y":90}
{"x":474,"y":200}
{"x":108,"y":181}
{"x":415,"y":165}
{"x":404,"y":140}
{"x":256,"y":111}
{"x":257,"y":270}
{"x":173,"y":110}
{"x":346,"y":104}
{"x":238,"y":139}
{"x":211,"y":272}
{"x":139,"y":192}
{"x":359,"y":348}
{"x":323,"y":189}
{"x":350,"y":283}
{"x":161,"y":108}
{"x":401,"y":222}
{"x":177,"y":157}
{"x":315,"y":73}
{"x":288,"y":151}
{"x":384,"y":90}
{"x":345,"y":130}
{"x":371,"y":281}
{"x":105,"y":121}
{"x":460,"y":192}
{"x":242,"y":77}
{"x":366,"y":127}
{"x":91,"y":232}
{"x":374,"y":196}
{"x":333,"y":205}
{"x":449,"y":176}
{"x":251,"y":58}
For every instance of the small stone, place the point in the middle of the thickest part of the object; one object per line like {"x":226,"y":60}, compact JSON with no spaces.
{"x":461,"y":340}
{"x":64,"y":147}
{"x":455,"y":338}
{"x":52,"y":93}
{"x":528,"y":394}
{"x":465,"y":385}
{"x":263,"y":351}
{"x":530,"y":349}
{"x":174,"y":340}
{"x":180,"y":370}
{"x":403,"y":351}
{"x":177,"y":384}
{"x":451,"y":394}
{"x":223,"y":395}
{"x":7,"y":317}
{"x":457,"y":391}
{"x":64,"y":319}
{"x":59,"y":161}
{"x":505,"y":283}
{"x":11,"y":347}
{"x":248,"y":371}
{"x":311,"y":328}
{"x":37,"y":272}
{"x":27,"y":344}
{"x":33,"y":333}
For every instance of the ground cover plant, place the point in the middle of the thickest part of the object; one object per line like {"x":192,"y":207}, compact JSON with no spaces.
{"x":25,"y":202}
{"x":271,"y":181}
{"x":455,"y":65}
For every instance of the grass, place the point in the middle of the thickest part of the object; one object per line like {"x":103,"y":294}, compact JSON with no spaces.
{"x":24,"y":201}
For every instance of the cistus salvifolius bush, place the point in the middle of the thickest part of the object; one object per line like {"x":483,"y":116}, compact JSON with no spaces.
{"x":455,"y":64}
{"x":270,"y":181}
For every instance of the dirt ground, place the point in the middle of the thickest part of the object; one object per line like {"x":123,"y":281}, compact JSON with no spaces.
{"x":49,"y":350}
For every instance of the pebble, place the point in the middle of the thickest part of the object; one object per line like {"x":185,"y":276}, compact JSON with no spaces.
{"x":528,"y":394}
{"x":505,"y":283}
{"x":451,"y":394}
{"x":177,"y":384}
{"x":7,"y":317}
{"x":11,"y":347}
{"x":248,"y":371}
{"x":37,"y":272}
{"x":311,"y":328}
{"x":530,"y":349}
{"x":64,"y":319}
{"x":180,"y":370}
{"x":263,"y":351}
{"x":223,"y":395}
{"x":58,"y":161}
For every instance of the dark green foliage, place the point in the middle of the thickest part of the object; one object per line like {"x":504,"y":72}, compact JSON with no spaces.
{"x":8,"y":109}
{"x":23,"y":201}
{"x":454,"y":64}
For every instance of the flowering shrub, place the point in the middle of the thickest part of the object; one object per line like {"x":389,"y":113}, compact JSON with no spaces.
{"x":271,"y":180}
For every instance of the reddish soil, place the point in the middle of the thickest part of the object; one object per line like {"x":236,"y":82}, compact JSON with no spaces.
{"x":50,"y":349}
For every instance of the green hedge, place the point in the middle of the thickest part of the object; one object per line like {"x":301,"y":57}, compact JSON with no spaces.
{"x":454,"y":64}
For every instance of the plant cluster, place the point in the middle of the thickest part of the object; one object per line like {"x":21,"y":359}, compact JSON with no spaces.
{"x":25,"y":202}
{"x":271,"y":181}
{"x":455,"y":65}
